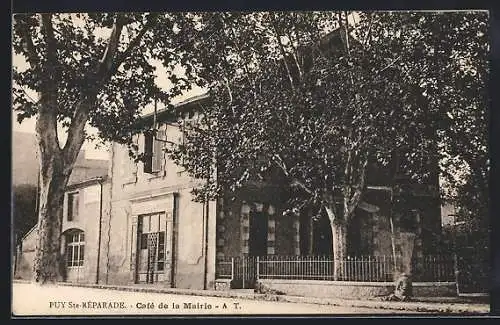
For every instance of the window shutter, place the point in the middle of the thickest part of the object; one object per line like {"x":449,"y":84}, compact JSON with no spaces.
{"x":158,"y":151}
{"x":148,"y":152}
{"x":134,"y":165}
{"x":69,"y":211}
{"x":75,"y":204}
{"x":183,"y":141}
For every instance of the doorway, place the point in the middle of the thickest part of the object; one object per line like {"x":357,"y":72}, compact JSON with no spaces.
{"x":257,"y":243}
{"x":151,"y":248}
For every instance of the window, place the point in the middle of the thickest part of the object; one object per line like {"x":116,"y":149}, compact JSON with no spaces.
{"x":72,"y":206}
{"x":75,"y":247}
{"x":153,"y":151}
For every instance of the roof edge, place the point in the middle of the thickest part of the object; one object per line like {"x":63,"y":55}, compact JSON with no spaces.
{"x":90,"y":181}
{"x":178,"y":106}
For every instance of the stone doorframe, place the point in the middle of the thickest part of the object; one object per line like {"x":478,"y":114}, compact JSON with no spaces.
{"x":246,"y":209}
{"x":157,"y":204}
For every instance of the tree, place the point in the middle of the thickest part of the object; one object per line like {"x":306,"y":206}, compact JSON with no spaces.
{"x":93,"y":69}
{"x":313,"y":98}
{"x":466,"y":138}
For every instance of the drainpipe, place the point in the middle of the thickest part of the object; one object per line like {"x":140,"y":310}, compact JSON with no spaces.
{"x":99,"y":232}
{"x":174,"y":240}
{"x":205,"y":279}
{"x":15,"y":254}
{"x":110,"y":212}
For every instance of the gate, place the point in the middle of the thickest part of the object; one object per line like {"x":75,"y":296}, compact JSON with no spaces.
{"x":245,"y":272}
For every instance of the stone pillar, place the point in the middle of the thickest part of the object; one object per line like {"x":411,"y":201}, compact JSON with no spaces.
{"x":220,"y":239}
{"x":245,"y":228}
{"x":418,"y":250}
{"x":296,"y":237}
{"x":271,"y":230}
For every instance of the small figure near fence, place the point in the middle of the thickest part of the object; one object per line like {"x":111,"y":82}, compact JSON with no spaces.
{"x":403,"y":289}
{"x":262,"y":288}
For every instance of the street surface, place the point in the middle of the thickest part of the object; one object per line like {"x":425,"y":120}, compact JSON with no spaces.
{"x":30,"y":299}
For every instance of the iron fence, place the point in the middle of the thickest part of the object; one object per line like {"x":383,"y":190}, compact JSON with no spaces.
{"x":358,"y":268}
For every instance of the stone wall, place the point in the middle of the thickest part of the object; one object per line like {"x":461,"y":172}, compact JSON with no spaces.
{"x":356,"y":290}
{"x":25,"y":256}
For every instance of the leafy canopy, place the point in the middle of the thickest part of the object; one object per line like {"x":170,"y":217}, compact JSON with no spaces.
{"x":311,"y":97}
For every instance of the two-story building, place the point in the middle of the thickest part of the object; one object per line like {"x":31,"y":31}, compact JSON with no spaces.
{"x":158,"y":234}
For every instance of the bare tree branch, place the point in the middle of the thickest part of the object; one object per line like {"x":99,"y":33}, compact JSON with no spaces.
{"x":295,"y":52}
{"x":46,"y":124}
{"x":368,"y":32}
{"x":151,"y":20}
{"x":280,"y":163}
{"x":107,"y":60}
{"x":296,"y":182}
{"x":282,"y":49}
{"x":251,"y":81}
{"x":76,"y":131}
{"x":356,"y":197}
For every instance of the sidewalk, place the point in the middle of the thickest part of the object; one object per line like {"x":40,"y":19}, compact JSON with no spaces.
{"x":442,"y":305}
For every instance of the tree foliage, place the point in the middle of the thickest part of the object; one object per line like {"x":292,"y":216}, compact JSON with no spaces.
{"x":313,"y":98}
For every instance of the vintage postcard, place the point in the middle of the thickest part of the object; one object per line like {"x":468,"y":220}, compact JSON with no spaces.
{"x":250,"y":163}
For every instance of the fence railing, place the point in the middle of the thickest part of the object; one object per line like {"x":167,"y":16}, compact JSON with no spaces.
{"x":363,"y":268}
{"x":434,"y":268}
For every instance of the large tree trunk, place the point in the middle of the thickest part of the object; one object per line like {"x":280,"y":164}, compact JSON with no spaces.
{"x":339,"y":245}
{"x":56,"y":164}
{"x":55,"y":169}
{"x":403,"y":288}
{"x":339,"y":241}
{"x":53,"y":180}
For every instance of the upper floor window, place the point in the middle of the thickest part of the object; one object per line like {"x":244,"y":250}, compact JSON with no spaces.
{"x":72,"y":206}
{"x":153,"y":151}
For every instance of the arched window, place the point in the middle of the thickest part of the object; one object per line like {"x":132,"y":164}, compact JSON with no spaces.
{"x":75,"y":246}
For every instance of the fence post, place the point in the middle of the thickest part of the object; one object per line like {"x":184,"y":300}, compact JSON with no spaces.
{"x":232,"y":268}
{"x":369,"y":268}
{"x":243,"y":259}
{"x":257,"y":271}
{"x":457,"y":272}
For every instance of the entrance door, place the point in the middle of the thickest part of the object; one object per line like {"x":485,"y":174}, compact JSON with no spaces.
{"x":151,"y":250}
{"x":257,"y":247}
{"x":257,"y":244}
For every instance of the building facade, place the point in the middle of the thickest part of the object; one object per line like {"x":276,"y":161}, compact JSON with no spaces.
{"x":83,"y":236}
{"x":159,"y":235}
